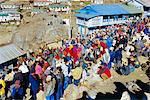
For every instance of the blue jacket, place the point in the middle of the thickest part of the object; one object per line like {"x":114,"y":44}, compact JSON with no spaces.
{"x":17,"y":93}
{"x":146,"y":31}
{"x":109,"y":42}
{"x":118,"y":54}
{"x":112,"y":56}
{"x":34,"y":83}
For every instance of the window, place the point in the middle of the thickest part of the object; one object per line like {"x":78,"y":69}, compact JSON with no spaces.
{"x":115,"y":17}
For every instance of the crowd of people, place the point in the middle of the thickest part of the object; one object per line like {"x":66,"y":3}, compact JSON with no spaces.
{"x":47,"y":72}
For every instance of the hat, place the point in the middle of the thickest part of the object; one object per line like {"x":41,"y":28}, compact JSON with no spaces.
{"x":125,"y":61}
{"x":111,"y":48}
{"x":92,"y":94}
{"x":121,"y":46}
{"x":77,"y":62}
{"x":48,"y":78}
{"x":40,"y":51}
{"x":40,"y":84}
{"x":30,"y":50}
{"x":73,"y":42}
{"x":58,"y":64}
{"x":38,"y":59}
{"x":130,"y":42}
{"x":70,"y":47}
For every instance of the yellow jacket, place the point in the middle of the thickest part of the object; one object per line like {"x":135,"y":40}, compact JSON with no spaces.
{"x":3,"y":83}
{"x":2,"y":91}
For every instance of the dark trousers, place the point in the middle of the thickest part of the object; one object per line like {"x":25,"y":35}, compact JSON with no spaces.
{"x":25,"y":83}
{"x":8,"y":84}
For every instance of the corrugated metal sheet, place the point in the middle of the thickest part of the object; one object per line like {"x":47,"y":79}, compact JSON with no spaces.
{"x":131,"y":9}
{"x":57,"y":6}
{"x":10,"y":52}
{"x":144,"y":2}
{"x":86,"y":16}
{"x":106,"y":9}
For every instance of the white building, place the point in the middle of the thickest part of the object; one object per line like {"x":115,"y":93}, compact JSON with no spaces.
{"x":35,"y":11}
{"x":8,"y":6}
{"x":59,"y":8}
{"x":98,"y":1}
{"x":10,"y":15}
{"x":26,"y":7}
{"x":47,"y":2}
{"x":82,"y":0}
{"x":42,"y":2}
{"x":92,"y":17}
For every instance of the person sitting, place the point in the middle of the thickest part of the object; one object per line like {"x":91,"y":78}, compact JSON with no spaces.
{"x":59,"y":81}
{"x":124,"y":70}
{"x":104,"y":72}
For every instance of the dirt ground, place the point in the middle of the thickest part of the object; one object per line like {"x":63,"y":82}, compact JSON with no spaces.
{"x":34,"y":30}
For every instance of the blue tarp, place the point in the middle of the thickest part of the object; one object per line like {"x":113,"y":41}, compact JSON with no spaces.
{"x":105,"y":9}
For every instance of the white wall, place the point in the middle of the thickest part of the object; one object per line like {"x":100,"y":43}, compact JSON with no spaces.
{"x":81,"y":22}
{"x":41,"y":3}
{"x":8,"y":6}
{"x":97,"y":21}
{"x":10,"y":17}
{"x":98,"y":1}
{"x":112,"y":21}
{"x":93,"y":22}
{"x":4,"y":18}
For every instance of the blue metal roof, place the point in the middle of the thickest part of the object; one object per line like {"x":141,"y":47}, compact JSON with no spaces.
{"x":86,"y":16}
{"x":107,"y":9}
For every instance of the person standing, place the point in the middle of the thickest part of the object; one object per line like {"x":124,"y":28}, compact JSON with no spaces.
{"x":25,"y":73}
{"x":8,"y":80}
{"x":112,"y":57}
{"x":65,"y":71}
{"x":17,"y":91}
{"x":59,"y":79}
{"x":118,"y":55}
{"x":50,"y":88}
{"x":35,"y":83}
{"x":2,"y":89}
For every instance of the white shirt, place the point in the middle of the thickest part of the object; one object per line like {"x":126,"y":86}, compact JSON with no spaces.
{"x":23,"y":68}
{"x":64,"y":69}
{"x":95,"y":67}
{"x":106,"y":57}
{"x":84,"y":75}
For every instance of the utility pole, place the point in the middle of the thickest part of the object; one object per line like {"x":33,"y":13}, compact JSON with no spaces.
{"x":70,"y":26}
